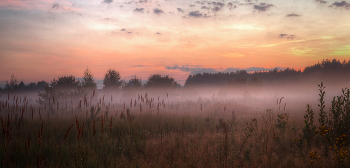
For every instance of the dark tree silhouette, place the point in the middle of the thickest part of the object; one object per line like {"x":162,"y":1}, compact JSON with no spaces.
{"x":112,"y":80}
{"x":12,"y":85}
{"x":326,"y":70}
{"x":134,"y":83}
{"x":41,"y":85}
{"x":159,"y":81}
{"x":63,"y":89}
{"x":31,"y":86}
{"x":255,"y":81}
{"x":21,"y":86}
{"x":88,"y":81}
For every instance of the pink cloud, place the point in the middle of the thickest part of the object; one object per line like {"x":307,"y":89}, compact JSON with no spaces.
{"x":44,"y":5}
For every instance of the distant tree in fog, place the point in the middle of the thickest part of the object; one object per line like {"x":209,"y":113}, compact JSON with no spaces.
{"x":112,"y":80}
{"x":240,"y":81}
{"x":41,"y":85}
{"x":65,"y":82}
{"x":21,"y":86}
{"x":325,"y":70}
{"x":255,"y":81}
{"x":32,"y":86}
{"x":134,"y":83}
{"x":158,"y":81}
{"x":88,"y":81}
{"x":62,"y":89}
{"x":12,"y":85}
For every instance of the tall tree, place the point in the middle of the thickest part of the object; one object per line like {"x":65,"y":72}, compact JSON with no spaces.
{"x":12,"y":85}
{"x":41,"y":85}
{"x":88,"y":81}
{"x":21,"y":86}
{"x":134,"y":83}
{"x":160,"y":81}
{"x":63,"y":89}
{"x":112,"y":80}
{"x":32,"y":86}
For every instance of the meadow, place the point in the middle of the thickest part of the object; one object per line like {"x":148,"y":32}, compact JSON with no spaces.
{"x":152,"y":131}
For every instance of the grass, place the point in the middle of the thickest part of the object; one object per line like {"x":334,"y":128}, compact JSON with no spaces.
{"x":150,"y":133}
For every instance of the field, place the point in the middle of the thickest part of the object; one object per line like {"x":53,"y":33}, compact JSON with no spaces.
{"x":147,"y":131}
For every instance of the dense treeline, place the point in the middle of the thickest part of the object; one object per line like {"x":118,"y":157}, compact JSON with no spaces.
{"x":66,"y":88}
{"x":12,"y":86}
{"x":327,"y":69}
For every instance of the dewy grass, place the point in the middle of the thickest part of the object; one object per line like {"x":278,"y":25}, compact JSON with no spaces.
{"x":214,"y":136}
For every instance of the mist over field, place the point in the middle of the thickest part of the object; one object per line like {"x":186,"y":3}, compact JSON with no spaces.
{"x":174,"y":83}
{"x":285,"y":95}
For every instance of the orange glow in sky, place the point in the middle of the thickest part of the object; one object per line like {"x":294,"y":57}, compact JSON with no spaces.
{"x":44,"y":39}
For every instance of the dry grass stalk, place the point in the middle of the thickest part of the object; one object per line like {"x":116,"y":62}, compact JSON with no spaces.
{"x":102,"y":127}
{"x":40,"y":133}
{"x":39,"y":115}
{"x":110,"y":125}
{"x":27,"y":144}
{"x":93,"y":128}
{"x":158,"y":108}
{"x":6,"y":128}
{"x":67,"y":132}
{"x":78,"y":127}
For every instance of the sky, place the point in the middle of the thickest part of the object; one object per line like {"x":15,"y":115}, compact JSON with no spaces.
{"x":46,"y":39}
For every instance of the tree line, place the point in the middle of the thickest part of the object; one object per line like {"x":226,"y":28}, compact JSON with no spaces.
{"x":112,"y":79}
{"x":327,"y":69}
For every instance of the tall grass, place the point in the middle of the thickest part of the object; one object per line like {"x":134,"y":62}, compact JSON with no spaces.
{"x":154,"y":134}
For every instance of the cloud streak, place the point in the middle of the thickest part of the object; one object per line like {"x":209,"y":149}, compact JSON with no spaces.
{"x":293,"y":15}
{"x":180,"y":10}
{"x":195,"y":69}
{"x":197,"y":14}
{"x":139,"y":10}
{"x":287,"y":36}
{"x":262,"y":7}
{"x":158,"y":11}
{"x":107,"y":1}
{"x":342,"y":4}
{"x":321,"y":1}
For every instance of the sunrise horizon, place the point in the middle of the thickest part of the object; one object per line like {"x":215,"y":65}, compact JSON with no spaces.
{"x":46,"y":39}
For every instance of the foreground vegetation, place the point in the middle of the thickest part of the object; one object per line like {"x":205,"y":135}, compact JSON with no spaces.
{"x":156,"y":133}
